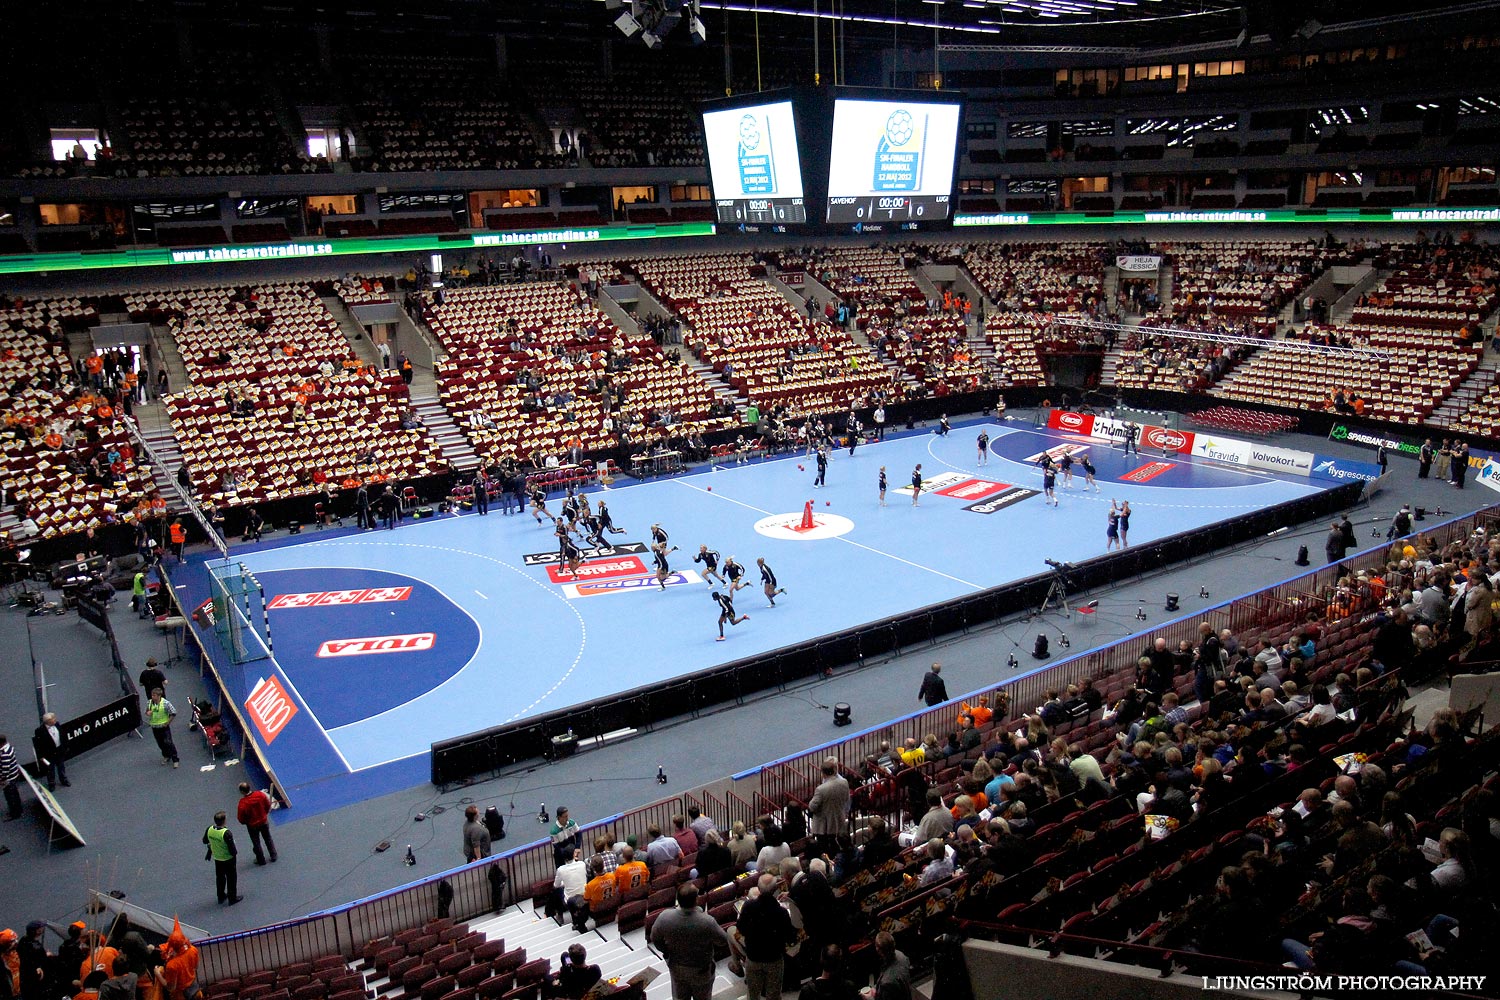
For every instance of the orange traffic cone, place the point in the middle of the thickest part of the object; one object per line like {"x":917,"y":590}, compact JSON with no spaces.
{"x":808,"y":523}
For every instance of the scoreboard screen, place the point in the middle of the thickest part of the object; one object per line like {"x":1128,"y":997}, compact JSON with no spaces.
{"x":753,"y":165}
{"x":892,"y":161}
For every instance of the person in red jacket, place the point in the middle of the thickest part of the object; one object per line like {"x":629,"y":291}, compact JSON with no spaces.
{"x":254,"y":813}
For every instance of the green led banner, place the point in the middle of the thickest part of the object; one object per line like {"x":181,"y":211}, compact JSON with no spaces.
{"x":249,"y":253}
{"x":1228,"y":216}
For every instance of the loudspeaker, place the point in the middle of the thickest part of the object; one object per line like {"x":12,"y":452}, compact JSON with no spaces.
{"x":842,"y":715}
{"x":294,"y":527}
{"x":1172,"y":602}
{"x":1420,"y":514}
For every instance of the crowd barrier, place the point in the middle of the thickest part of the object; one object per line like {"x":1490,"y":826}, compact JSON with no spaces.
{"x":344,"y":930}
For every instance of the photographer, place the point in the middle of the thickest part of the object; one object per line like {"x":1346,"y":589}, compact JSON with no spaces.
{"x":574,"y":976}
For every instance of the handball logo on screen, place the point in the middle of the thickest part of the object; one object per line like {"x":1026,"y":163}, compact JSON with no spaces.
{"x":270,"y":708}
{"x":412,"y":643}
{"x":898,"y":156}
{"x":757,"y":168}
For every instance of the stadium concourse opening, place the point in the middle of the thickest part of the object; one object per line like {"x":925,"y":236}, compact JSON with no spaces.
{"x":387,"y":642}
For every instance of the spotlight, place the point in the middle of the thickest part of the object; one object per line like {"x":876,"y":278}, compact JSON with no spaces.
{"x":542,"y":815}
{"x":1040,"y":649}
{"x":1203,"y":592}
{"x":1012,"y":663}
{"x":410,"y":859}
{"x":627,"y":23}
{"x":697,"y":33}
{"x":1420,"y":514}
{"x":842,"y":714}
{"x":1140,"y":614}
{"x":1172,"y":602}
{"x":1302,"y":559}
{"x":1062,"y":640}
{"x":661,"y":775}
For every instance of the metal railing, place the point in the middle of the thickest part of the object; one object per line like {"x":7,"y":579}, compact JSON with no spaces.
{"x":344,"y":930}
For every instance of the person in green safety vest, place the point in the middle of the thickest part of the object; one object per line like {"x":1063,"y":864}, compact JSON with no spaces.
{"x":159,"y":715}
{"x":138,"y":592}
{"x":222,"y":852}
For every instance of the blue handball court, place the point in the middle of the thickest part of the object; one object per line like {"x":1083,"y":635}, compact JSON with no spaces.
{"x":387,"y":641}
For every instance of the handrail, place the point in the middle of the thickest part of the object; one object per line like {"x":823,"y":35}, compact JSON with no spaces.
{"x":191,"y":506}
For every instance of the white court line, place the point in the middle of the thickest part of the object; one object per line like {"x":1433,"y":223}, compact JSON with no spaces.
{"x":481,"y":594}
{"x":840,"y":538}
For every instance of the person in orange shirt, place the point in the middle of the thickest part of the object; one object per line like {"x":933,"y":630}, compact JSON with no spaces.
{"x":100,"y":956}
{"x":180,"y":971}
{"x":630,"y":873}
{"x":981,"y":712}
{"x":53,"y":440}
{"x":600,"y":893}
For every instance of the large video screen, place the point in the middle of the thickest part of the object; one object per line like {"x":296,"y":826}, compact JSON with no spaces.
{"x":753,"y":164}
{"x":892,"y":161}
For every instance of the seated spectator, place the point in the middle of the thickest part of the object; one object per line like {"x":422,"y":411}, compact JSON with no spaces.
{"x":575,"y":977}
{"x":940,"y":862}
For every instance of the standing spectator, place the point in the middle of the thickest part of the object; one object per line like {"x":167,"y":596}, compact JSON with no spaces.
{"x":254,"y":813}
{"x":1460,"y":463}
{"x":765,"y":931}
{"x":10,"y":778}
{"x":151,"y":677}
{"x":687,"y":938}
{"x":565,"y":836}
{"x":1334,"y":545}
{"x":829,"y":807}
{"x":159,"y":714}
{"x":180,"y":968}
{"x":223,"y":852}
{"x":51,"y":746}
{"x":1424,"y":459}
{"x":893,"y":981}
{"x":476,"y":836}
{"x":35,"y":961}
{"x":933,"y":691}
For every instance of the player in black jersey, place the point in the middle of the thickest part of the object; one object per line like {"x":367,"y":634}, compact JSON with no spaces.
{"x":1065,"y":464}
{"x":659,"y":557}
{"x":710,"y":560}
{"x":539,"y":503}
{"x":821,"y":480}
{"x":734,"y":571}
{"x":594,"y":532}
{"x":726,"y":612}
{"x":1049,"y":483}
{"x":916,"y":485}
{"x":984,"y":447}
{"x":768,"y":582}
{"x":607,"y":521}
{"x":882,"y":486}
{"x":659,"y":536}
{"x":1088,"y":472}
{"x":570,"y":554}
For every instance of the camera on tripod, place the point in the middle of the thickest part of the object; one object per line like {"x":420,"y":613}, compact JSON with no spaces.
{"x":1061,"y":567}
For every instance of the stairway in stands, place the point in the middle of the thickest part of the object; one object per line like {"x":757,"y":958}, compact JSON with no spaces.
{"x":163,"y":446}
{"x":457,"y":452}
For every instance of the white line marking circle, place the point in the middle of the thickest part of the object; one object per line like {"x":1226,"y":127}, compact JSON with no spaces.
{"x":789,"y":526}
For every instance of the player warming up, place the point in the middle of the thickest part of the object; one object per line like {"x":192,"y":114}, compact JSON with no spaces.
{"x":1112,"y":533}
{"x":882,"y":486}
{"x":663,"y":570}
{"x":710,"y":560}
{"x":1125,"y":523}
{"x":570,"y":553}
{"x":916,"y":485}
{"x":822,"y":478}
{"x":1088,"y":472}
{"x":539,"y":504}
{"x":1066,"y":466}
{"x":606,"y":520}
{"x":1049,"y":483}
{"x":768,"y":582}
{"x":984,"y":447}
{"x":735,"y":572}
{"x":726,"y":612}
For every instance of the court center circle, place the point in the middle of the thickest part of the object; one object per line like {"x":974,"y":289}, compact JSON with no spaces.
{"x":793,"y":526}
